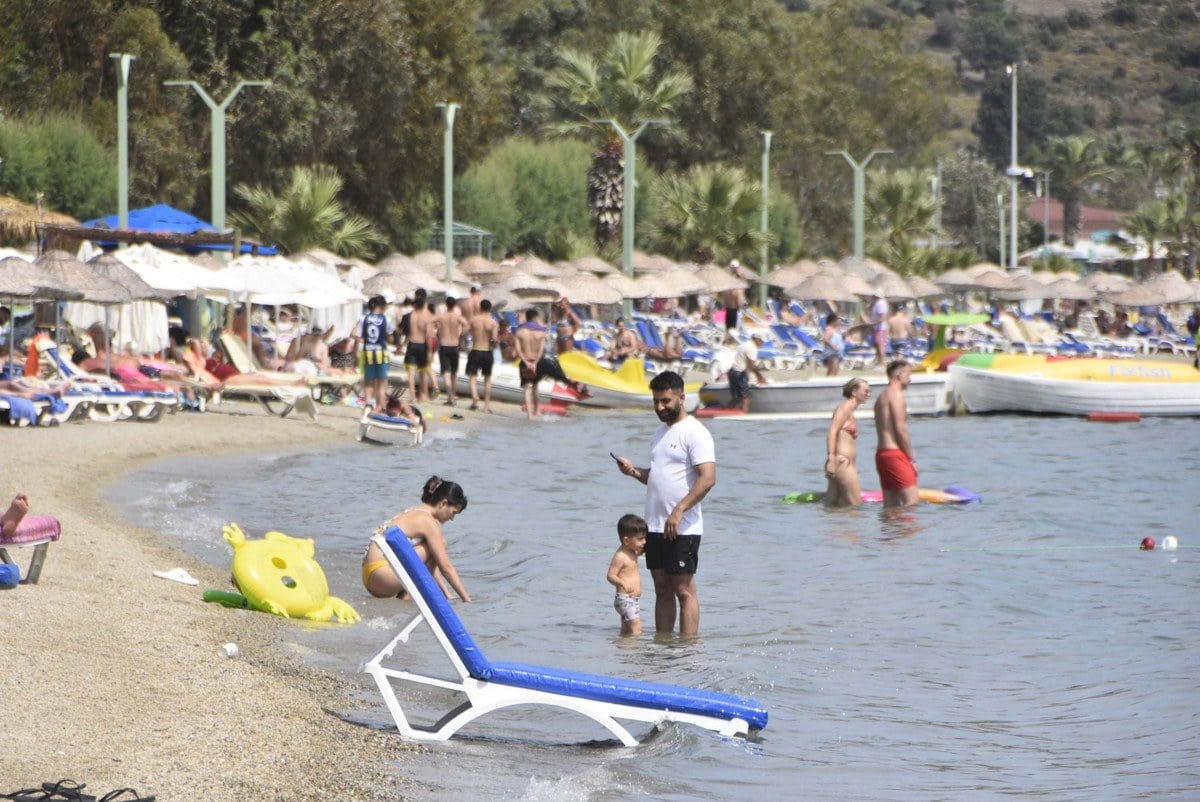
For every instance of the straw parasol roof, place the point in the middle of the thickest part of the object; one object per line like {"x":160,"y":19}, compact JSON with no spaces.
{"x":397,"y":285}
{"x":650,"y":263}
{"x":1103,"y":282}
{"x":594,"y":264}
{"x":17,"y":278}
{"x":1025,"y":288}
{"x":537,"y":267}
{"x":893,"y":287}
{"x":431,"y":258}
{"x":19,"y":220}
{"x":982,"y":267}
{"x":476,"y":266}
{"x":1071,"y":289}
{"x":116,"y":271}
{"x":717,"y":279}
{"x":1173,"y":286}
{"x":531,"y":288}
{"x":821,"y":287}
{"x":995,"y":279}
{"x":394,"y":261}
{"x":69,"y":280}
{"x":865,"y":268}
{"x":628,"y":287}
{"x":1135,"y":295}
{"x":1195,"y":285}
{"x":585,"y":288}
{"x":955,"y":279}
{"x":677,"y":281}
{"x":924,"y":288}
{"x":790,"y":275}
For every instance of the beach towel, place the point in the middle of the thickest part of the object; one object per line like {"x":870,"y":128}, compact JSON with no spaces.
{"x":21,"y":409}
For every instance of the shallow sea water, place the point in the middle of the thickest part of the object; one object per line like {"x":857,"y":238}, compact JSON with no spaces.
{"x":1024,"y":646}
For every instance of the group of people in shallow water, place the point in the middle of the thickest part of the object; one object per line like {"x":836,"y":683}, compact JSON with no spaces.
{"x":895,"y":460}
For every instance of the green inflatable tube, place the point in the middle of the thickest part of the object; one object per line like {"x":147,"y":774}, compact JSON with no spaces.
{"x":226,"y":598}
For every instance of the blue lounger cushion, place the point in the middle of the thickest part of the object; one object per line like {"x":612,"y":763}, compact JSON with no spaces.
{"x":379,"y":417}
{"x":559,"y":681}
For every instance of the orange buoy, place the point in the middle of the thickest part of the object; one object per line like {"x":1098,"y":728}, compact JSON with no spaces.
{"x":1113,"y":417}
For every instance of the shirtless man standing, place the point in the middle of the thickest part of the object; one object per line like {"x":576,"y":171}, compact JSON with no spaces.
{"x":625,"y":344}
{"x":450,"y":325}
{"x":531,"y":347}
{"x":485,"y":333}
{"x":894,"y":458}
{"x":416,"y":355}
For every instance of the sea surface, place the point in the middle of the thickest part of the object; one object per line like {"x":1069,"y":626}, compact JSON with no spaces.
{"x":1021,"y":647}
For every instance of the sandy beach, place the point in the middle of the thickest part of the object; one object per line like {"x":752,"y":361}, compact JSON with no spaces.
{"x":115,"y":678}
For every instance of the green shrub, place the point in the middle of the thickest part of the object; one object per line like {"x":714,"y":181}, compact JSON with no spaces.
{"x":59,"y":157}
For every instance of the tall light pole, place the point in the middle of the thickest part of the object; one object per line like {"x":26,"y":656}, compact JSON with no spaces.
{"x":1043,"y":192}
{"x":1000,"y":206}
{"x":628,"y":200}
{"x":766,"y":180}
{"x":937,"y":202}
{"x":123,"y":60}
{"x":1014,"y":172}
{"x":218,"y":143}
{"x":860,"y":193}
{"x":448,"y":110}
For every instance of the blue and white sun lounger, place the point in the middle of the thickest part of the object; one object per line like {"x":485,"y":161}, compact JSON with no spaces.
{"x":490,"y":686}
{"x":388,"y":423}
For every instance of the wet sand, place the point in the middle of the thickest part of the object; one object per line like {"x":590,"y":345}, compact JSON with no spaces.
{"x":115,"y":678}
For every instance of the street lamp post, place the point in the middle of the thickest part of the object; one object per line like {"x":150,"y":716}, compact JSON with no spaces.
{"x":766,"y":178}
{"x":937,"y":202}
{"x":1043,"y":191}
{"x":860,"y":192}
{"x":123,"y":60}
{"x":628,"y":199}
{"x":1000,"y":206}
{"x":1014,"y":172}
{"x":448,"y":110}
{"x":218,"y":143}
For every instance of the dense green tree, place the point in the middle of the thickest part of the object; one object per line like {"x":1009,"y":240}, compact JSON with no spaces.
{"x":58,"y":160}
{"x":625,"y":87}
{"x":1077,"y":162}
{"x":531,"y":196}
{"x":993,"y":121}
{"x":1149,"y":222}
{"x":970,"y":217}
{"x":901,"y":207}
{"x":708,"y":214}
{"x":305,"y":214}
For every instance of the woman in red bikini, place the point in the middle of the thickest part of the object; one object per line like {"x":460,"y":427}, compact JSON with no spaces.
{"x":845,"y":489}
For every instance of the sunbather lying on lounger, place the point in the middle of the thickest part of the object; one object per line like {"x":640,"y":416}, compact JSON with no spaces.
{"x":198,"y":356}
{"x":33,"y":392}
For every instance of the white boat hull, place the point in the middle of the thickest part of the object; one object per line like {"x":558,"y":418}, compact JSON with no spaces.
{"x":927,"y":394}
{"x":983,"y":390}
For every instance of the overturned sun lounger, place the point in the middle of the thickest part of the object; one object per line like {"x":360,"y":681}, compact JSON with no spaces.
{"x":490,"y":686}
{"x":388,"y":423}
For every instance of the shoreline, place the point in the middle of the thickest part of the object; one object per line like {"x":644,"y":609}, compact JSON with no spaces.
{"x":115,"y":678}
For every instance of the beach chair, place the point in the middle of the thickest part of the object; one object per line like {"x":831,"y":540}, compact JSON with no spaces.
{"x":489,"y":686}
{"x":243,"y":359}
{"x":411,"y":429}
{"x":104,"y":398}
{"x":36,"y":532}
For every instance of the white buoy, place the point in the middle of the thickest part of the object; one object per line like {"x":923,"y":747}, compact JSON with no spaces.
{"x":1170,"y":543}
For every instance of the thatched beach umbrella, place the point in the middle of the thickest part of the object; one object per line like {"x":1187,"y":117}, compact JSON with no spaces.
{"x":118,"y":272}
{"x":865,"y":267}
{"x":1135,"y":295}
{"x":678,"y":281}
{"x":893,"y":287}
{"x":718,"y":279}
{"x":628,"y":287}
{"x":86,"y":284}
{"x":478,"y":267}
{"x":1103,"y":282}
{"x":17,"y":280}
{"x":585,"y":288}
{"x":821,"y":287}
{"x":994,"y":279}
{"x":397,"y":285}
{"x":1024,"y":288}
{"x":1173,"y":286}
{"x":534,"y":266}
{"x":594,"y":264}
{"x":924,"y":288}
{"x":790,"y":275}
{"x":955,"y":279}
{"x":19,"y":220}
{"x":1071,"y":289}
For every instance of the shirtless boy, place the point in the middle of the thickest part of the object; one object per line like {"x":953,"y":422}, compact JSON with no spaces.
{"x":485,"y":332}
{"x":531,"y":347}
{"x":450,"y":325}
{"x":894,"y":458}
{"x":416,"y":355}
{"x":623,"y":573}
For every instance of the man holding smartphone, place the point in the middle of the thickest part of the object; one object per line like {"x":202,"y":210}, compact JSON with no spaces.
{"x":683,"y":468}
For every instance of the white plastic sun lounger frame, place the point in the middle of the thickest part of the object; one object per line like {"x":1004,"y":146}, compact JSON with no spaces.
{"x":414,"y":430}
{"x":484,"y":696}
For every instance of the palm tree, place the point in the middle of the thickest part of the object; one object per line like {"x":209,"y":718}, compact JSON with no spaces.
{"x":710,"y":213}
{"x":902,"y":206}
{"x":305,"y":214}
{"x":622,"y":87}
{"x":1150,"y":222}
{"x":1077,"y":162}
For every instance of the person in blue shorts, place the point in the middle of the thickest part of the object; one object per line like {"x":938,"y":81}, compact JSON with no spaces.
{"x":373,"y":332}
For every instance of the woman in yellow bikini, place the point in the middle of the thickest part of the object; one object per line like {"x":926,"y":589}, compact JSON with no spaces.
{"x":422,"y":525}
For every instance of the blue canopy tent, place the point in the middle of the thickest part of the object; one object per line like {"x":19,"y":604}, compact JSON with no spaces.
{"x":163,"y":219}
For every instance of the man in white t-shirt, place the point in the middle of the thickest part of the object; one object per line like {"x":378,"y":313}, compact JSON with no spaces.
{"x":745,"y":362}
{"x":879,"y":333}
{"x":683,"y":468}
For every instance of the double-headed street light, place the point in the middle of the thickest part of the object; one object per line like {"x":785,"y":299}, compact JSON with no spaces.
{"x":860,"y":192}
{"x":218,"y":143}
{"x":1014,"y":172}
{"x":628,"y":200}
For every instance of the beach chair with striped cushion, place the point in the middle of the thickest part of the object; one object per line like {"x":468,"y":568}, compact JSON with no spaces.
{"x":489,"y":686}
{"x":36,"y":532}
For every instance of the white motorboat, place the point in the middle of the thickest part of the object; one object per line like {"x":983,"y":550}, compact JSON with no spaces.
{"x":927,"y":394}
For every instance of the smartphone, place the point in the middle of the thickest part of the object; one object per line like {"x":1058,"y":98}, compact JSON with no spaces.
{"x":614,"y":456}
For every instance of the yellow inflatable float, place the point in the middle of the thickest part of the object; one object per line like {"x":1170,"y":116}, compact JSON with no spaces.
{"x":279,"y":575}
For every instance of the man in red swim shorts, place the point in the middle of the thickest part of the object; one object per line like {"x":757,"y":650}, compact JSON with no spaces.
{"x":894,"y":459}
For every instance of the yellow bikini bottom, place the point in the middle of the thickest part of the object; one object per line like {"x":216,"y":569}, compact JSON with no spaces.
{"x":372,"y":567}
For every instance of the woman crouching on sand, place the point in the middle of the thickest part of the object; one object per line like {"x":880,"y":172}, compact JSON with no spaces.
{"x":844,"y":489}
{"x":422,"y":525}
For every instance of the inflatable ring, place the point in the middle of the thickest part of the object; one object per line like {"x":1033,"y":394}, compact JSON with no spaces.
{"x":279,"y":575}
